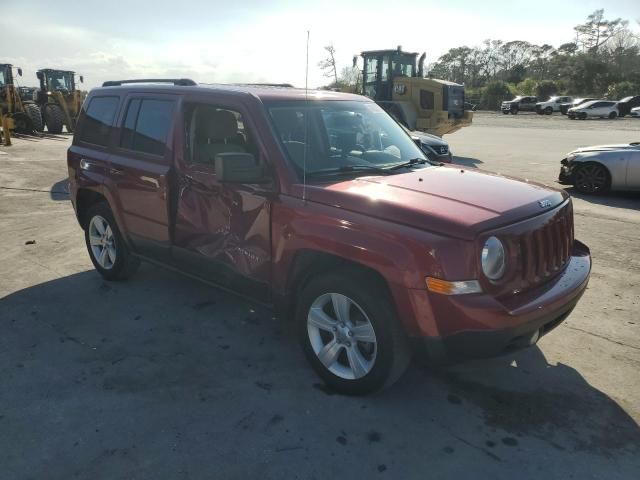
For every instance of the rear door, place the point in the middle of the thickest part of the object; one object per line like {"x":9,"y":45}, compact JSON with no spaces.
{"x":222,"y":230}
{"x":88,"y":157}
{"x":140,"y":168}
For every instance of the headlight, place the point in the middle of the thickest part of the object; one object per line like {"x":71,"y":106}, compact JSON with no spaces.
{"x":493,"y":259}
{"x":571,"y":157}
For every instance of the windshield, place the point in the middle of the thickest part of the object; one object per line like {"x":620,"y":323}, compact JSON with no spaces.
{"x":340,"y":135}
{"x":60,"y":81}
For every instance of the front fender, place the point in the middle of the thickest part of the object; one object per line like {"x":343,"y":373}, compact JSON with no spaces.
{"x":402,"y":255}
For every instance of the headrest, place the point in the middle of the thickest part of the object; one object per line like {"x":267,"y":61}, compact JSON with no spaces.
{"x":216,"y":125}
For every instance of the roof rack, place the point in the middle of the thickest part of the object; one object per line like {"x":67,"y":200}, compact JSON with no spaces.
{"x":184,"y":82}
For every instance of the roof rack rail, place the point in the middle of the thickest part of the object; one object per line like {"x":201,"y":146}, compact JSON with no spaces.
{"x":279,"y":85}
{"x":184,"y":82}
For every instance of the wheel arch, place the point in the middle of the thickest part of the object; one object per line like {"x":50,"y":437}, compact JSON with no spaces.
{"x":85,"y":199}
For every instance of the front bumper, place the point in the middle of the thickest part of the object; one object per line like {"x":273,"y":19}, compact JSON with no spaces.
{"x":477,"y":326}
{"x":566,"y":173}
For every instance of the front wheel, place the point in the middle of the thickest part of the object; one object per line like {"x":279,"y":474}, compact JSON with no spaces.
{"x":548,"y":110}
{"x":53,"y":118}
{"x":591,"y":178}
{"x":350,"y":334}
{"x":613,"y":115}
{"x":582,"y":116}
{"x":107,"y":249}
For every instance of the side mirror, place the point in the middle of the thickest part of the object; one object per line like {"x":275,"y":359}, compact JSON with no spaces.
{"x":236,"y":167}
{"x":39,"y":75}
{"x":19,"y":71}
{"x":81,"y":79}
{"x":355,"y":61}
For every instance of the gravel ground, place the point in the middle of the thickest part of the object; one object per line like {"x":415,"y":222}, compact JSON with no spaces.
{"x":163,"y":377}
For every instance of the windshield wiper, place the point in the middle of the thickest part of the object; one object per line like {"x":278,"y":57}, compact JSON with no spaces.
{"x":348,"y":169}
{"x":410,"y":163}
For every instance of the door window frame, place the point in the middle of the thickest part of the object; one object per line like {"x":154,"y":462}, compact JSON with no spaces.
{"x":124,"y":151}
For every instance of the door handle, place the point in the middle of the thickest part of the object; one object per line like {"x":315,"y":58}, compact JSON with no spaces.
{"x":116,"y":171}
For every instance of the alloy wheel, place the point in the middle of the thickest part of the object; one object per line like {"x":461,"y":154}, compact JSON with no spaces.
{"x":591,"y":179}
{"x":342,"y":336}
{"x":102,"y":241}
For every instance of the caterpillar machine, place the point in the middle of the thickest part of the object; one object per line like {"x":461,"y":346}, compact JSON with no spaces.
{"x":59,"y":99}
{"x":395,"y":80}
{"x":21,"y":115}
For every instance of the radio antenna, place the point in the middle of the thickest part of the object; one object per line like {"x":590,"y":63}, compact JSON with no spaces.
{"x":306,"y":125}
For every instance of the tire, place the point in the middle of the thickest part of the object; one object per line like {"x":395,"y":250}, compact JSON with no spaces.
{"x":352,"y":367}
{"x":612,"y":115}
{"x":54,"y":118}
{"x":514,"y":111}
{"x":582,"y":116}
{"x":506,"y":112}
{"x":35,"y":115}
{"x":592,"y":178}
{"x":548,"y":110}
{"x":110,"y":257}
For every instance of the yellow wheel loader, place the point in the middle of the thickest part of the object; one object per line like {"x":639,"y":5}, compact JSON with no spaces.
{"x":395,"y":80}
{"x":59,"y":99}
{"x":20,"y":114}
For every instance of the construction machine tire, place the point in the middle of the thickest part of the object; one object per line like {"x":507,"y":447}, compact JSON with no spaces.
{"x":54,"y":118}
{"x":35,"y":115}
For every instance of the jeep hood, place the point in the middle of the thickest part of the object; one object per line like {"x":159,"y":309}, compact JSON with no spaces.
{"x":447,"y":200}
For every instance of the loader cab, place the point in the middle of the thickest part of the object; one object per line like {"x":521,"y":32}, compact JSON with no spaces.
{"x":56,"y":80}
{"x":381,"y":67}
{"x":6,"y":74}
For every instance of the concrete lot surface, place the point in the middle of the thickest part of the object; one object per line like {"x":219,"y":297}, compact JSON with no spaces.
{"x":162,"y":377}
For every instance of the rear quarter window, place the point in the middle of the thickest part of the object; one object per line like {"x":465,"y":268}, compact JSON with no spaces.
{"x":98,"y":120}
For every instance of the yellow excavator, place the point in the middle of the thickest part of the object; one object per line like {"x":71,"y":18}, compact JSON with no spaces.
{"x":395,"y":80}
{"x":16,"y":113}
{"x":59,"y":99}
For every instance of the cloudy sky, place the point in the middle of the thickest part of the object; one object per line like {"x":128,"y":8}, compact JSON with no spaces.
{"x":264,"y":41}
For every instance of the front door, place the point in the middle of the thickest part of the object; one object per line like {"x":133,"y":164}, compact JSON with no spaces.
{"x":222,"y":230}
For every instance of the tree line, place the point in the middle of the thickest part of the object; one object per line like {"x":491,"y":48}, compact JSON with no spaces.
{"x":603,"y":60}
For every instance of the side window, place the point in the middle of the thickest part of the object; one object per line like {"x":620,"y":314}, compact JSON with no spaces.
{"x":212,"y":130}
{"x":147,"y":124}
{"x":426,"y":100}
{"x":98,"y":120}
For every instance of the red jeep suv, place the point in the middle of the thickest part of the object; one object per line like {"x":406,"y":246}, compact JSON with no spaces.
{"x":320,"y":204}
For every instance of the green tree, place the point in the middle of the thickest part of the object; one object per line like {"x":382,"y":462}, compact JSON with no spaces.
{"x":618,"y":91}
{"x":527,"y":87}
{"x":545,"y":89}
{"x":494,"y":94}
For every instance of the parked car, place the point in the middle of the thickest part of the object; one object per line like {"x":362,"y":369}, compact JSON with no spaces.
{"x":367,"y":245}
{"x":635,"y":112}
{"x":520,"y":103}
{"x":602,"y":168}
{"x":435,"y":148}
{"x":552,"y":105}
{"x":627,"y":104}
{"x":595,"y":108}
{"x":564,"y":107}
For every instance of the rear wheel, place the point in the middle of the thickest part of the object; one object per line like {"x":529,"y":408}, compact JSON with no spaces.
{"x":350,"y":334}
{"x":591,"y":178}
{"x":107,"y":249}
{"x":35,"y":115}
{"x":613,"y":115}
{"x":54,"y":118}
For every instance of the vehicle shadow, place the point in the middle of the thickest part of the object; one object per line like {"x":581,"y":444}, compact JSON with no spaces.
{"x":628,"y":200}
{"x":152,"y":371}
{"x":466,"y":161}
{"x":60,"y":190}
